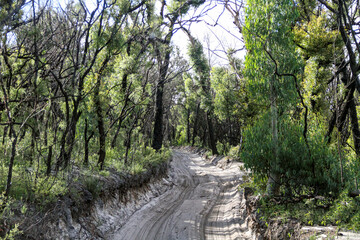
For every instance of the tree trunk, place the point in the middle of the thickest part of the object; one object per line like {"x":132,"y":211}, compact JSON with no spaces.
{"x":204,"y":136}
{"x":164,"y":61}
{"x":113,"y":142}
{"x":100,"y":126}
{"x":188,"y":134}
{"x":195,"y":124}
{"x":127,"y":144}
{"x":212,"y":140}
{"x":86,"y":143}
{"x":48,"y":161}
{"x":11,"y":164}
{"x":355,"y":127}
{"x":272,"y":187}
{"x":158,"y":125}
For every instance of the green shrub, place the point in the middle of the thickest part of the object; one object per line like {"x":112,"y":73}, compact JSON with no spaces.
{"x":137,"y":168}
{"x":93,"y":185}
{"x":343,"y":212}
{"x":222,"y":148}
{"x":313,"y":167}
{"x":234,"y":153}
{"x":8,"y":230}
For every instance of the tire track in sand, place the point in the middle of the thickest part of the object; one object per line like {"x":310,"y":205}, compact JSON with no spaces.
{"x":204,"y":203}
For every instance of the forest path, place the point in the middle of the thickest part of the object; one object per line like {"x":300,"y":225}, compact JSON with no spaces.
{"x":204,"y":203}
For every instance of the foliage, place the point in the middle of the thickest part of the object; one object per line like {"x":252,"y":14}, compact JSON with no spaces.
{"x":93,"y":185}
{"x":343,"y":212}
{"x":312,"y":167}
{"x":271,"y":40}
{"x":8,"y":229}
{"x":234,"y":153}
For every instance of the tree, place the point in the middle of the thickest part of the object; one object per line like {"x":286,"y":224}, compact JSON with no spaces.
{"x":202,"y":69}
{"x":162,"y":49}
{"x":271,"y":66}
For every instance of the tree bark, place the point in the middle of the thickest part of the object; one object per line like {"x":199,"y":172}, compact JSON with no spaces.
{"x":86,"y":143}
{"x":158,"y":124}
{"x":48,"y":161}
{"x":355,"y":127}
{"x":11,"y":164}
{"x":100,"y":126}
{"x":272,"y":187}
{"x":211,"y":133}
{"x":188,"y":133}
{"x":195,"y":124}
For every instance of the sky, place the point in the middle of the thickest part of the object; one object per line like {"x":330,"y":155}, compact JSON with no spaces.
{"x":217,"y":38}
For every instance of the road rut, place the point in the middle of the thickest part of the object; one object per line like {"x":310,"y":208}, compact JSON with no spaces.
{"x":204,"y":203}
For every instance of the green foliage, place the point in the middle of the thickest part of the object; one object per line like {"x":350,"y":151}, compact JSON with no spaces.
{"x":223,"y":148}
{"x":93,"y":185}
{"x":313,"y":167}
{"x":8,"y":230}
{"x":182,"y":6}
{"x":268,"y":31}
{"x":321,"y":47}
{"x":141,"y":159}
{"x":343,"y":212}
{"x":149,"y":158}
{"x":234,"y":153}
{"x":38,"y":189}
{"x":231,"y":99}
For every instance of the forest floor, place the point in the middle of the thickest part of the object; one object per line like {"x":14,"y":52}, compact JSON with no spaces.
{"x":204,"y":203}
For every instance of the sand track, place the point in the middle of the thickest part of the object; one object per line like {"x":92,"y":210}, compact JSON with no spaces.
{"x":204,"y":203}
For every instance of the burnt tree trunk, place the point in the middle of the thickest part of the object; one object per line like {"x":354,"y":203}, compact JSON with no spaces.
{"x":48,"y":161}
{"x":212,"y":141}
{"x":188,"y":133}
{"x":86,"y":144}
{"x":195,"y":124}
{"x":158,"y":124}
{"x":100,"y":126}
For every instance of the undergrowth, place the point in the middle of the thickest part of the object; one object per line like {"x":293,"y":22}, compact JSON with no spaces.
{"x":343,"y":211}
{"x":33,"y":187}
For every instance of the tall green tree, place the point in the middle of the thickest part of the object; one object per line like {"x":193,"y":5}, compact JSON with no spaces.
{"x":272,"y":65}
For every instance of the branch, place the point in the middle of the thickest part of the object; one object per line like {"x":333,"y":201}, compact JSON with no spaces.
{"x":297,"y":89}
{"x":328,"y":6}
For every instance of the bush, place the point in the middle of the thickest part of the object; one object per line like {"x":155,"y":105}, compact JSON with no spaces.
{"x":234,"y":153}
{"x":222,"y":148}
{"x":93,"y":185}
{"x":311,"y":167}
{"x":8,"y":230}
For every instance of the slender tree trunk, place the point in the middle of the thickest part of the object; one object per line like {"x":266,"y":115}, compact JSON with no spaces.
{"x":127,"y":145}
{"x":188,"y":134}
{"x":272,"y":187}
{"x":204,"y":136}
{"x":195,"y":124}
{"x":113,"y":142}
{"x":355,"y":127}
{"x":356,"y":133}
{"x":158,"y":125}
{"x":212,"y":140}
{"x":86,"y":143}
{"x":100,"y":125}
{"x":48,"y":161}
{"x":11,"y":164}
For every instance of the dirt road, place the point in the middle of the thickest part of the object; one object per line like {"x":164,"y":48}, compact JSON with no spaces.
{"x":204,"y":203}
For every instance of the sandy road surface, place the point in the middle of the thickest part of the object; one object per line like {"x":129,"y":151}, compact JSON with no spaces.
{"x":203,"y":204}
